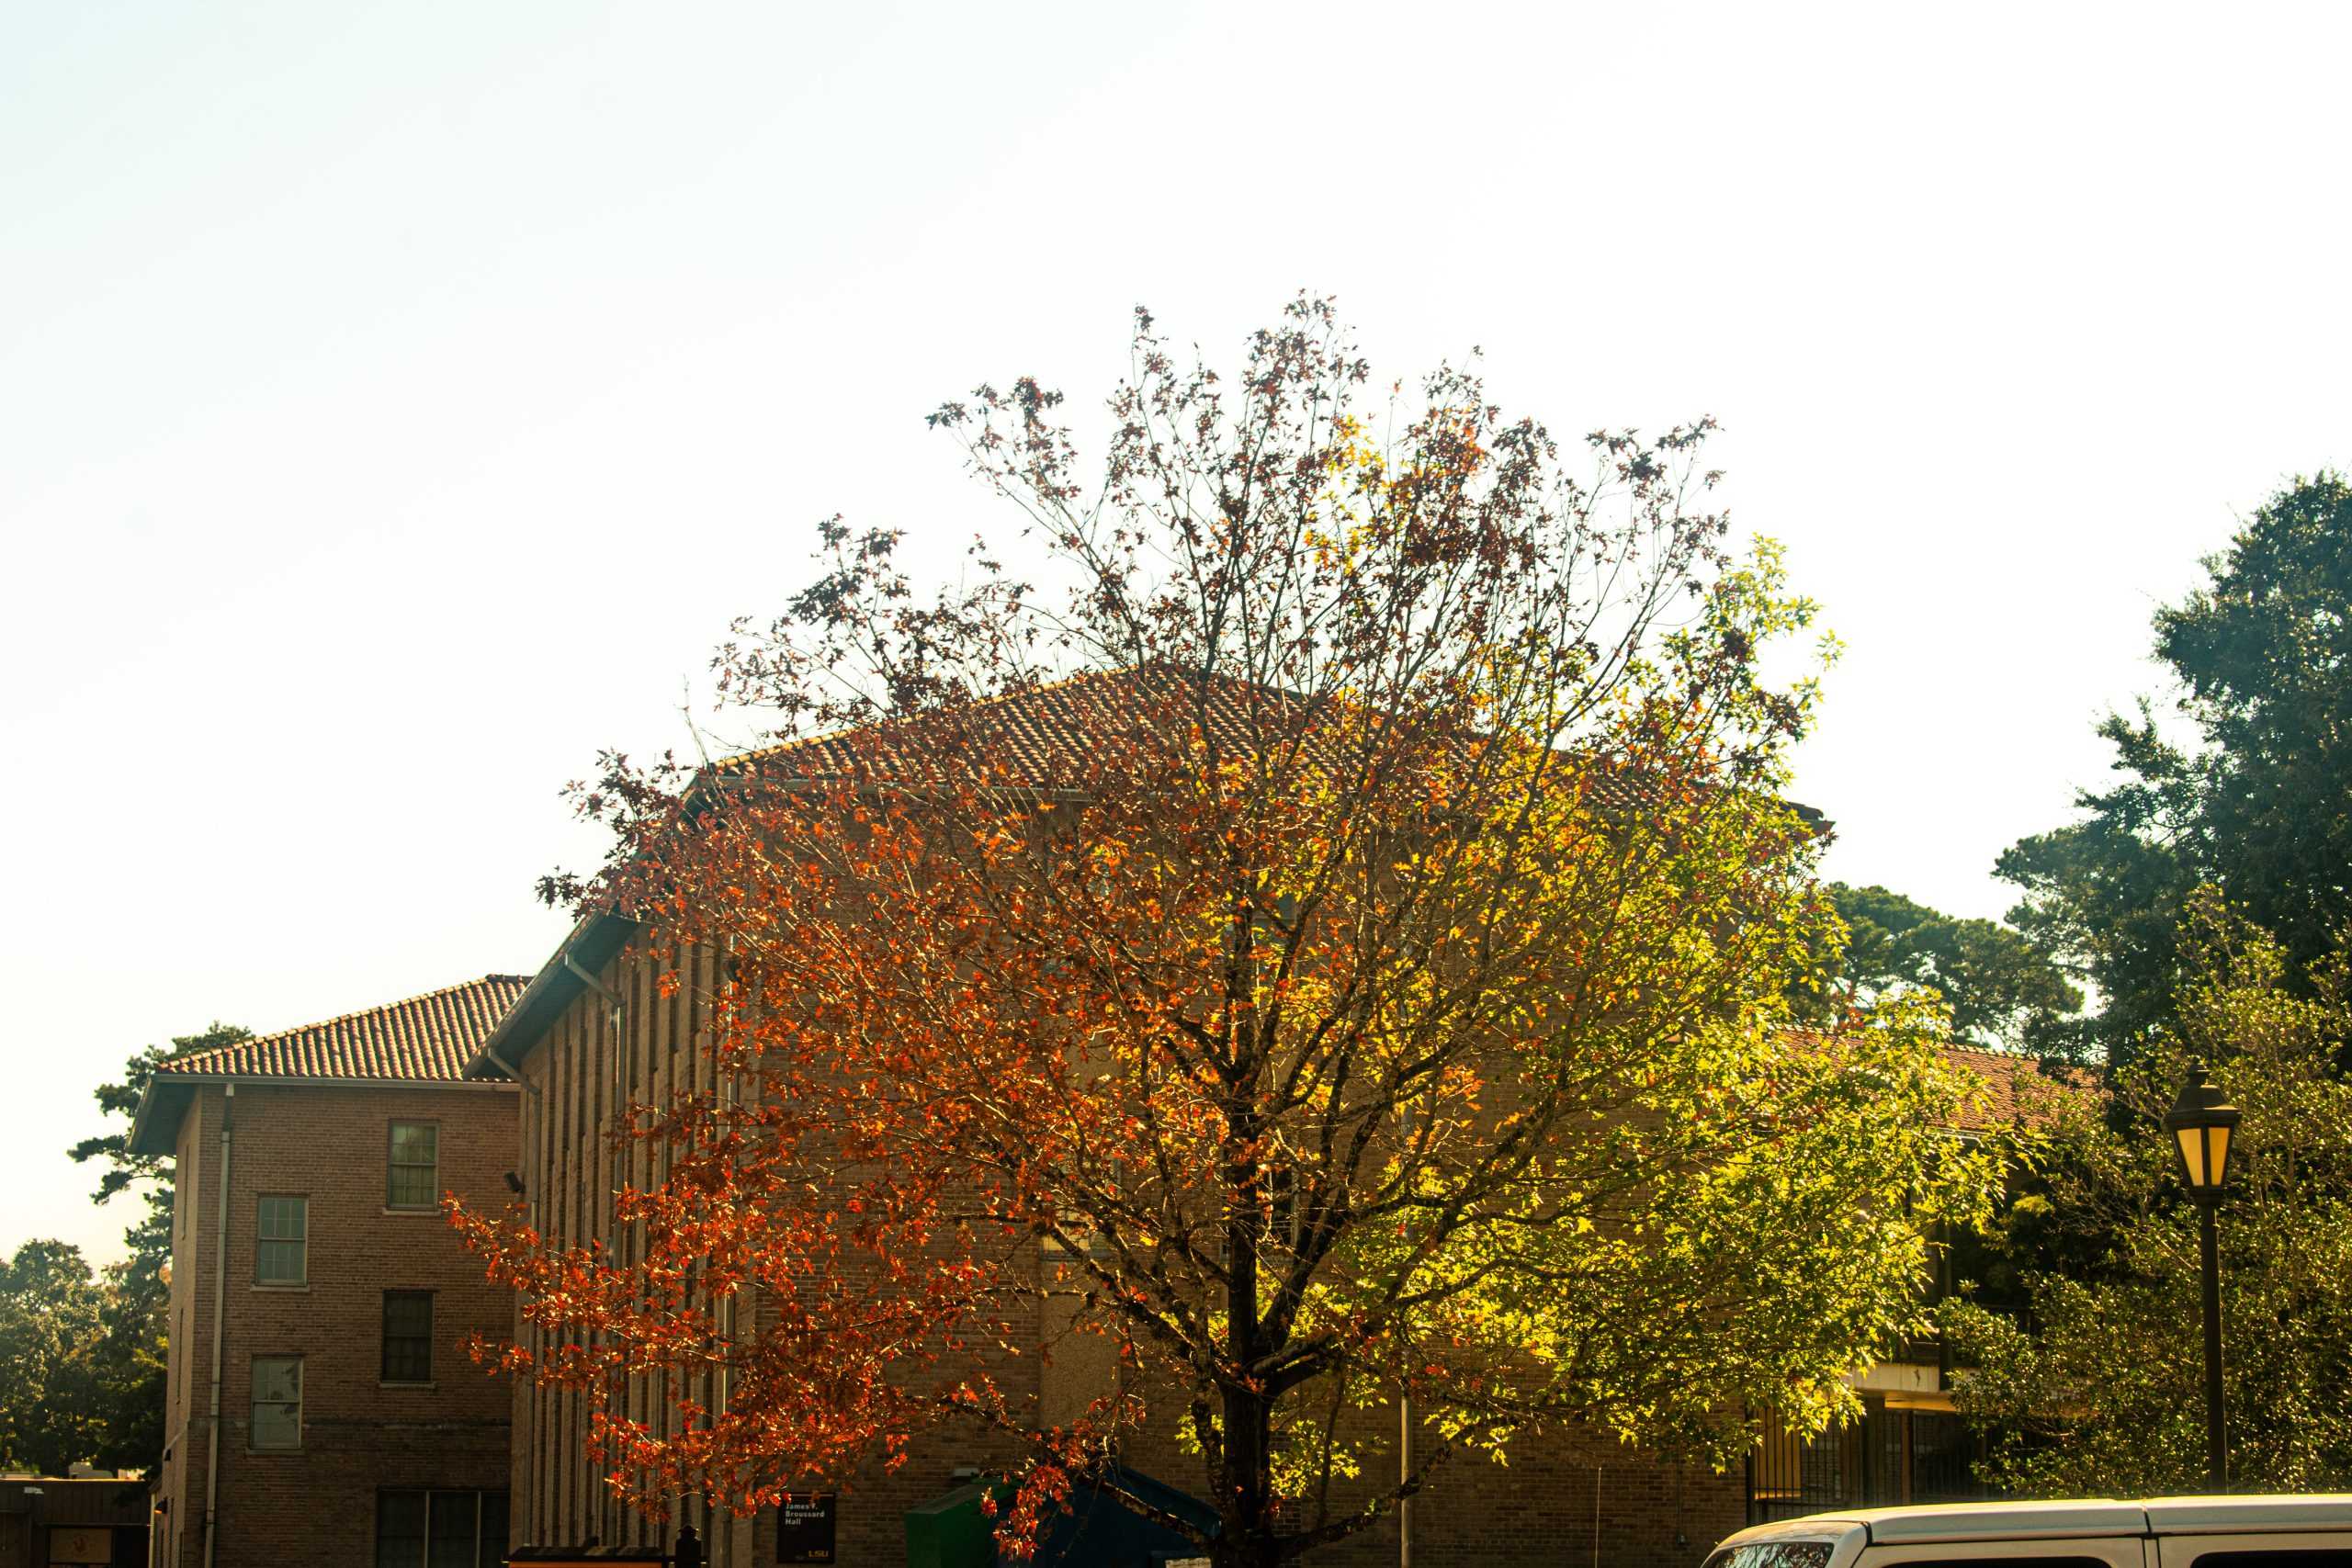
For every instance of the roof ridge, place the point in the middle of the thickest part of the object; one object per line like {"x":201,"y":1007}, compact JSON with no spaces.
{"x":182,"y":1063}
{"x":760,"y":753}
{"x":1998,"y":1054}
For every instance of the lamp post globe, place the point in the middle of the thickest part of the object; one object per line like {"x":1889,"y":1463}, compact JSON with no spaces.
{"x":2201,"y":1125}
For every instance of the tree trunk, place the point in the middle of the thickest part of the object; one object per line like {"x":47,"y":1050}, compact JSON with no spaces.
{"x":1245,"y":1498}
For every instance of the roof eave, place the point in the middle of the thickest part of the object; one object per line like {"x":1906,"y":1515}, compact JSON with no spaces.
{"x":590,"y":943}
{"x":154,"y":1126}
{"x":150,"y":1136}
{"x":336,"y":1081}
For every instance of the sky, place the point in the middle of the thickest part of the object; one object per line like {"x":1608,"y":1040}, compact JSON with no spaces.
{"x":398,"y":403}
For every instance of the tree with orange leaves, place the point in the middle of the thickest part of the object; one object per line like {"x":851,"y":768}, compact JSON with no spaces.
{"x":1332,"y":918}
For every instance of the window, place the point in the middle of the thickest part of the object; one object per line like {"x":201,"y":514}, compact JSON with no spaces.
{"x":440,"y":1529}
{"x":413,"y":1178}
{"x":408,"y":1336}
{"x":1775,"y":1554}
{"x":281,"y":1255}
{"x":278,"y":1402}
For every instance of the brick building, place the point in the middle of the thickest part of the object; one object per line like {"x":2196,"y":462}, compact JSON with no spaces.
{"x":593,"y":1035}
{"x":588,"y":1038}
{"x":81,"y":1520}
{"x":1911,"y":1444}
{"x":321,"y":1407}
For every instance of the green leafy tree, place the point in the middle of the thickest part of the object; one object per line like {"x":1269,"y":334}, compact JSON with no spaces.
{"x":132,"y":1349}
{"x":2002,"y":991}
{"x":2103,"y":1394}
{"x":52,"y":1312}
{"x":2253,"y":802}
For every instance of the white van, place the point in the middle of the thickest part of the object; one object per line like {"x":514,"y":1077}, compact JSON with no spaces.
{"x":2167,"y":1532}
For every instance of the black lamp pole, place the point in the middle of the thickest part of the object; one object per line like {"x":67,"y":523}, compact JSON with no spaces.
{"x":2200,"y":1123}
{"x":2217,"y":1453}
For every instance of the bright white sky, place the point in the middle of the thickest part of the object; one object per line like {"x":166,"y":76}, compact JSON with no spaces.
{"x":397,"y":402}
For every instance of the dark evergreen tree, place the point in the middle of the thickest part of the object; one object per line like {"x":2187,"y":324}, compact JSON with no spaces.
{"x":51,"y":1384}
{"x":2252,"y":796}
{"x":132,"y":1324}
{"x":2002,"y":991}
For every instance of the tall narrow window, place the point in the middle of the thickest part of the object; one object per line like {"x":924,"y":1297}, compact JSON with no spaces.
{"x":400,"y":1529}
{"x":453,"y":1535}
{"x":414,"y":1178}
{"x":278,"y":1402}
{"x":282,"y":1249}
{"x":408,"y":1336}
{"x":492,"y":1551}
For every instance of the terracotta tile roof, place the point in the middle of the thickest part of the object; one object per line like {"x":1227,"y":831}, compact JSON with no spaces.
{"x":422,"y":1037}
{"x":2018,"y":1093}
{"x":1052,"y":734}
{"x":1042,"y":736}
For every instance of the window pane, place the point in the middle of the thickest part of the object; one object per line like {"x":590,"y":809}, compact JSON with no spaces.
{"x":1775,"y":1554}
{"x":277,"y":1426}
{"x":400,"y":1529}
{"x":277,"y":1379}
{"x":493,"y":1530}
{"x":412,"y":1186}
{"x":454,"y":1519}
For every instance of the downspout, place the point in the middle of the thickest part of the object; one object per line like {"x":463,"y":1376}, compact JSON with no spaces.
{"x":220,"y":1313}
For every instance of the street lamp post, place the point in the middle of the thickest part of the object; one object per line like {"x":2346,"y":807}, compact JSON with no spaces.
{"x":2200,"y":1123}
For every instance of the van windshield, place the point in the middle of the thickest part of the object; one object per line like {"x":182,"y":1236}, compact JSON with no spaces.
{"x":1775,"y":1554}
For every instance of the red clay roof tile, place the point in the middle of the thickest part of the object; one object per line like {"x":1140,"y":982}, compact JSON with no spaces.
{"x":2017,"y":1093}
{"x":424,"y":1038}
{"x":1051,"y":736}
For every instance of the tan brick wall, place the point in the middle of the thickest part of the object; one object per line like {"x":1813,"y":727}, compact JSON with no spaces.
{"x":592,"y":1064}
{"x":1539,"y":1511}
{"x":329,"y":1143}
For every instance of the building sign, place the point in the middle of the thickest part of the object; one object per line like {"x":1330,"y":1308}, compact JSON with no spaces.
{"x":804,"y":1528}
{"x":81,"y":1543}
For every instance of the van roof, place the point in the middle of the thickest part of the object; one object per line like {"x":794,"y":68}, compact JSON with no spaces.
{"x":2072,"y":1517}
{"x":2319,"y":1510}
{"x":1979,"y":1521}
